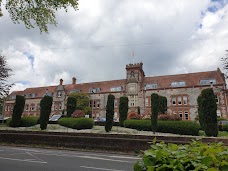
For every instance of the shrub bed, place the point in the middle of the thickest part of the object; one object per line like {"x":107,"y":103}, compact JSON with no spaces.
{"x":175,"y":127}
{"x":77,"y":123}
{"x":25,"y":121}
{"x":225,"y":128}
{"x":193,"y":156}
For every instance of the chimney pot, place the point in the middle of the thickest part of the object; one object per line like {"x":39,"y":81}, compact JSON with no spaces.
{"x":61,"y":81}
{"x":73,"y":80}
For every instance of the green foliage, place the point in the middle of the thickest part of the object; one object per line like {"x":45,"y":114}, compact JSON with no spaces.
{"x":18,"y":110}
{"x":25,"y":121}
{"x":193,"y":156}
{"x":123,"y":109}
{"x":45,"y":111}
{"x":208,"y":112}
{"x":154,"y":111}
{"x":109,"y":113}
{"x":162,"y":104}
{"x":38,"y":13}
{"x":225,"y":128}
{"x":77,"y":123}
{"x":174,"y":127}
{"x":71,"y":105}
{"x":82,"y":102}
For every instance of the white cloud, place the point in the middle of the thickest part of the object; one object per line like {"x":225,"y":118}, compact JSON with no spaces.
{"x":96,"y":42}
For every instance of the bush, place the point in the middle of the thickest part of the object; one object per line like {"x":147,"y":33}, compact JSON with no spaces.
{"x":109,"y":113}
{"x":225,"y":128}
{"x":25,"y":121}
{"x":175,"y":127}
{"x":76,"y":123}
{"x":123,"y":109}
{"x":194,"y":156}
{"x":167,"y":117}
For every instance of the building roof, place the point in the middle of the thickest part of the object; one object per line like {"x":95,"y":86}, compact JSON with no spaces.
{"x":191,"y":79}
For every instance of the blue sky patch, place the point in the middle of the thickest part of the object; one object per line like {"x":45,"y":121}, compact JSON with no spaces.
{"x":30,"y":57}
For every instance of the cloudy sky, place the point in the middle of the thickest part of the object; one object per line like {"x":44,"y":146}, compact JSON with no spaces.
{"x":96,"y":42}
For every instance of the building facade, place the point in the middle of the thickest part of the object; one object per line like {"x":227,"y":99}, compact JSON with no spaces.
{"x":181,"y":91}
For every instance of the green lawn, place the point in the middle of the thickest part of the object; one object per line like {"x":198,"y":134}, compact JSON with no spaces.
{"x":221,"y":133}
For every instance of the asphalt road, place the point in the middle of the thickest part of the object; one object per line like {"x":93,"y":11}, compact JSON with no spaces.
{"x":37,"y":159}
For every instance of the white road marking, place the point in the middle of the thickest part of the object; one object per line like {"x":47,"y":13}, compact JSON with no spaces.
{"x":96,"y":168}
{"x":26,"y":160}
{"x":34,"y":157}
{"x":125,"y":157}
{"x":87,"y":157}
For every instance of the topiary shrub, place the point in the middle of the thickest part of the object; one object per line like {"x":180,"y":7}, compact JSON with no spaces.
{"x":224,"y":128}
{"x":77,"y":123}
{"x":208,"y":112}
{"x":45,"y":111}
{"x":174,"y":127}
{"x":25,"y":121}
{"x":193,"y":156}
{"x":109,"y":113}
{"x":18,"y":110}
{"x":71,"y":105}
{"x":123,"y":109}
{"x":154,"y":111}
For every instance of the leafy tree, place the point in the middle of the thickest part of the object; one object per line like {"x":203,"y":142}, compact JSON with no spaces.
{"x":162,"y":104}
{"x":71,"y":106}
{"x":18,"y":110}
{"x":109,"y":113}
{"x":123,"y":110}
{"x":38,"y":13}
{"x":208,"y":112}
{"x":154,"y":111}
{"x":5,"y":73}
{"x":45,"y":111}
{"x":82,"y":102}
{"x":225,"y":61}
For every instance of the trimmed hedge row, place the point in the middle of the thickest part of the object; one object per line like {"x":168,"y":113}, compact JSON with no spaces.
{"x":225,"y":128}
{"x":77,"y":123}
{"x":175,"y":127}
{"x":25,"y":121}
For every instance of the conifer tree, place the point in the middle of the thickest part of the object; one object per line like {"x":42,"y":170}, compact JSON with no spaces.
{"x":71,"y":105}
{"x":45,"y":111}
{"x":18,"y":110}
{"x":154,"y":111}
{"x":109,"y":113}
{"x":123,"y":110}
{"x":208,"y":112}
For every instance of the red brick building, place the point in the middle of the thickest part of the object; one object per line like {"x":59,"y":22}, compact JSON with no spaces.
{"x":181,"y":91}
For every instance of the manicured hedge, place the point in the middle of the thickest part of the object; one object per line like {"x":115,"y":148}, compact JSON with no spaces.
{"x":175,"y":127}
{"x":25,"y":121}
{"x":225,"y":128}
{"x":77,"y":123}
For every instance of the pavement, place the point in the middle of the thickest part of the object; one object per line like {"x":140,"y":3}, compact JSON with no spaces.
{"x":36,"y":159}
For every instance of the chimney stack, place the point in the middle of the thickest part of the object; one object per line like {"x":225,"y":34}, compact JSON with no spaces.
{"x":73,"y":80}
{"x":61,"y":81}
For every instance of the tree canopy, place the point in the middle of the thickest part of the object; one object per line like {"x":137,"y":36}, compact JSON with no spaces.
{"x":38,"y":13}
{"x":5,"y":73}
{"x":82,"y":102}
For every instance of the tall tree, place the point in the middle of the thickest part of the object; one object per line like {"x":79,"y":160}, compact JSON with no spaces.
{"x":154,"y":111}
{"x":109,"y":113}
{"x":225,"y":62}
{"x":18,"y":110}
{"x":162,"y":104}
{"x":123,"y":110}
{"x":71,"y":106}
{"x":82,"y":100}
{"x":38,"y":13}
{"x":45,"y":111}
{"x":5,"y":73}
{"x":208,"y":112}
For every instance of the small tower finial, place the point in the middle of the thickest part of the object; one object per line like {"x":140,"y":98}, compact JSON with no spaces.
{"x":133,"y":56}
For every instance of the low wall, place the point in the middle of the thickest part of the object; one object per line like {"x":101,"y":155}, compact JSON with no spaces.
{"x":109,"y":142}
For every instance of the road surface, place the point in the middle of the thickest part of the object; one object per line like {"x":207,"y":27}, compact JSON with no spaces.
{"x":37,"y":159}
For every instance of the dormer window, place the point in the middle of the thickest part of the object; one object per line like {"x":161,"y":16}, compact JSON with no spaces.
{"x":210,"y":81}
{"x":178,"y":84}
{"x":94,"y":90}
{"x":113,"y":89}
{"x":151,"y":86}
